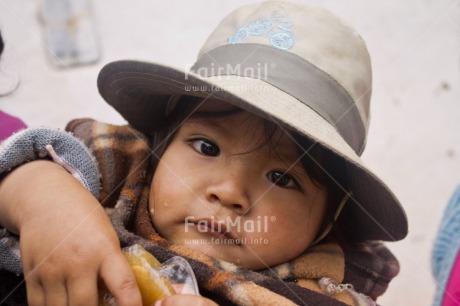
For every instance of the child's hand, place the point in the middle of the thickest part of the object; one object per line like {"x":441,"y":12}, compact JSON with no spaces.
{"x":185,"y":299}
{"x":67,"y":241}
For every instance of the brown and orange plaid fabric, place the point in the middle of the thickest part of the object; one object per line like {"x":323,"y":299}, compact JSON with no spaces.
{"x":326,"y":274}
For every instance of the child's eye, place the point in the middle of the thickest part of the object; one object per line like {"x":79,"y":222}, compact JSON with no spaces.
{"x":205,"y":147}
{"x":282,"y":179}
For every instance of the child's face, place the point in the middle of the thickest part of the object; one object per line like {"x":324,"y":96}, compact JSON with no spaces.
{"x":217,"y":191}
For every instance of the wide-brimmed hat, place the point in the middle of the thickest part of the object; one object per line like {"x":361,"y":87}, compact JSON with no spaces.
{"x":296,"y":64}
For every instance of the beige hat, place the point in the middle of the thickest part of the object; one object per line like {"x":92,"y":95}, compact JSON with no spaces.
{"x":299,"y":65}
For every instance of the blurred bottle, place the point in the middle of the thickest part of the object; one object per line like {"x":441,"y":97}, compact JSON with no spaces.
{"x":69,"y":31}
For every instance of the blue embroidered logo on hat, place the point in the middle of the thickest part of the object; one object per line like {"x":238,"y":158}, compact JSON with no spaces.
{"x":277,"y":28}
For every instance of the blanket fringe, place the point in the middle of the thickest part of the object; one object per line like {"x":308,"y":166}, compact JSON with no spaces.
{"x":330,"y":287}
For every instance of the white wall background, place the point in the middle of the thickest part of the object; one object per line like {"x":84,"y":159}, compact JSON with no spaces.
{"x":414,"y":139}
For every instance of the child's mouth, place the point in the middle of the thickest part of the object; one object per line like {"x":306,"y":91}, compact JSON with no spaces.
{"x":214,"y":228}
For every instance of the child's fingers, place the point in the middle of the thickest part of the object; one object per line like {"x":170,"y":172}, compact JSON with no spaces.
{"x":35,"y":294}
{"x":185,"y":299}
{"x":119,"y":279}
{"x":55,"y":293}
{"x":83,"y":291}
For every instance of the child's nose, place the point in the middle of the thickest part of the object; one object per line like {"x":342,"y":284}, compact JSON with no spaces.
{"x":229,"y":191}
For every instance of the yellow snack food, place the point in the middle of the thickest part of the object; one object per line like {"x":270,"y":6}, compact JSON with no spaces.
{"x":152,"y":285}
{"x":136,"y":255}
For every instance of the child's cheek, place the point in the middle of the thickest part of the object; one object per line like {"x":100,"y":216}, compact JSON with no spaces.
{"x":161,"y":205}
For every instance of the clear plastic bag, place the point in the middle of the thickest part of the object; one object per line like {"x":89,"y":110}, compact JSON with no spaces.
{"x":155,"y":280}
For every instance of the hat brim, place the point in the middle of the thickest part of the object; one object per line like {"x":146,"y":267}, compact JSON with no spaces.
{"x":140,"y":91}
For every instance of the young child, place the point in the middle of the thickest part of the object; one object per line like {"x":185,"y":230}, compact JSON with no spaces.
{"x":247,"y":166}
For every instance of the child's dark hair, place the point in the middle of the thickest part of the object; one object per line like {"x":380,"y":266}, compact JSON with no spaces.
{"x":321,"y":165}
{"x":2,"y":45}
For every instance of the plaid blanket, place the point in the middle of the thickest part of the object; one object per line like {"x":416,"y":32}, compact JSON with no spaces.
{"x":322,"y":272}
{"x":326,"y":274}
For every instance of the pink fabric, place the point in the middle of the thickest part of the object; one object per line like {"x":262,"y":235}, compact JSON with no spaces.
{"x":9,"y":125}
{"x":452,"y":293}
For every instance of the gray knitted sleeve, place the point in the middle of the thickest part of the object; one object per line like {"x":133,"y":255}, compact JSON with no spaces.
{"x":61,"y":146}
{"x":37,"y":143}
